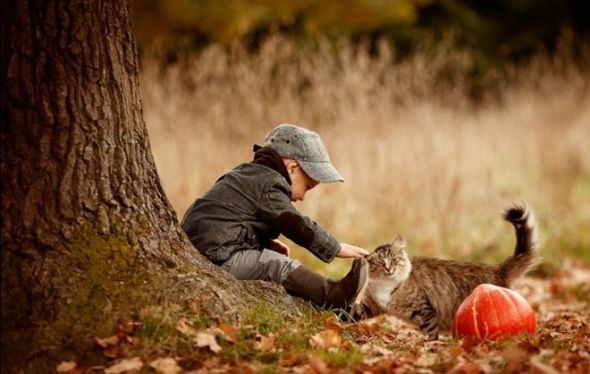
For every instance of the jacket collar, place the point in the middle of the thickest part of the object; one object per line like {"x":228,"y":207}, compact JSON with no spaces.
{"x":270,"y":158}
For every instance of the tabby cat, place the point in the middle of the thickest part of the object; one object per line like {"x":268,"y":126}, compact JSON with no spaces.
{"x":427,"y":292}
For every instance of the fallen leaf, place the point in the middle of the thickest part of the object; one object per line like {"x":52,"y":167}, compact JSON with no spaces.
{"x":166,"y":365}
{"x":376,"y":349}
{"x":134,"y":340}
{"x":537,"y":363}
{"x":205,"y":339}
{"x":347,"y":345}
{"x":110,"y":353}
{"x":484,"y":347}
{"x":468,"y":368}
{"x":184,"y":327}
{"x":230,"y":332}
{"x":426,"y":360}
{"x":292,"y":360}
{"x":266,"y":343}
{"x":332,"y":324}
{"x":65,"y":366}
{"x":106,"y":342}
{"x":456,"y":351}
{"x":129,"y":327}
{"x":245,"y":368}
{"x":325,"y":339}
{"x":368,"y":327}
{"x":132,"y":364}
{"x":318,"y":365}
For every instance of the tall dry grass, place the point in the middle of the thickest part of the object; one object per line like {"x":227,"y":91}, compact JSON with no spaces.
{"x":418,"y":157}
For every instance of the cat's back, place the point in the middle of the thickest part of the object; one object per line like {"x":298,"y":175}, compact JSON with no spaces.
{"x":439,"y":274}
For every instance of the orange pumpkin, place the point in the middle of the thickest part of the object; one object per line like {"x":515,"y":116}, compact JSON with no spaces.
{"x":491,"y":312}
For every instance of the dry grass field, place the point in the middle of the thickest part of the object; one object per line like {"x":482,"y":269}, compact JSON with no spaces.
{"x":418,"y":157}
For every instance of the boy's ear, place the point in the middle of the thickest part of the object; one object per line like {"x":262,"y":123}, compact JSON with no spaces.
{"x":292,"y":165}
{"x":399,"y":242}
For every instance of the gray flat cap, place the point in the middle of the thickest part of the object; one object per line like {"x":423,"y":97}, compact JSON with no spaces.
{"x":307,"y":148}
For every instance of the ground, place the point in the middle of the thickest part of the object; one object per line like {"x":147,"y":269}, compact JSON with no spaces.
{"x":176,"y":340}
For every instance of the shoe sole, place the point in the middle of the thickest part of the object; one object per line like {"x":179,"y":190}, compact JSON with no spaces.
{"x":359,"y":296}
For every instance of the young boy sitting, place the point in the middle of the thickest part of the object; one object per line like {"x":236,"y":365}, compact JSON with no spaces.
{"x":237,"y":222}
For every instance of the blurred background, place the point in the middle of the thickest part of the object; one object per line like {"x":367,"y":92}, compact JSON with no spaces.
{"x":438,"y":113}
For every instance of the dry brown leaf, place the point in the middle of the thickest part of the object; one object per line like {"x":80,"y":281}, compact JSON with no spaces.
{"x":128,"y":327}
{"x":369,"y":327}
{"x":538,"y":364}
{"x":166,"y":365}
{"x":347,"y":345}
{"x":371,"y":360}
{"x":110,"y":353}
{"x":266,"y":343}
{"x":377,"y":349}
{"x":515,"y":359}
{"x":456,"y":351}
{"x":206,"y":339}
{"x":185,"y":328}
{"x":332,"y":324}
{"x":65,"y":366}
{"x":106,"y":342}
{"x":230,"y":332}
{"x":468,"y":368}
{"x":318,"y":365}
{"x":134,"y":340}
{"x":426,"y":360}
{"x":325,"y":339}
{"x":246,"y":368}
{"x":292,"y":360}
{"x":124,"y":366}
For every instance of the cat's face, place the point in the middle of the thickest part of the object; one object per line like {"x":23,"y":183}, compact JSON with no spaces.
{"x":389,"y":260}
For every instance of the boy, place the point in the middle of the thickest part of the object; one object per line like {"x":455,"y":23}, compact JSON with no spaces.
{"x":237,"y":222}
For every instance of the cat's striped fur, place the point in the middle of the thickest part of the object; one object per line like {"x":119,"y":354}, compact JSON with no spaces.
{"x":427,"y":292}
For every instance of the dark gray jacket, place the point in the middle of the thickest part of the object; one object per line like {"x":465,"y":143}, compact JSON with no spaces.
{"x":247,"y":208}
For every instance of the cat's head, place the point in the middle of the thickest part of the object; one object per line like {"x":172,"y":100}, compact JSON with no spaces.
{"x":390,"y":261}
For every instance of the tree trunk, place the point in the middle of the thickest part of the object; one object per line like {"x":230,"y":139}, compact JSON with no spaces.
{"x":88,"y":235}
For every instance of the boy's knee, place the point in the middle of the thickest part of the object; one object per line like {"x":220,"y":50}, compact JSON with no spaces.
{"x":278,"y":269}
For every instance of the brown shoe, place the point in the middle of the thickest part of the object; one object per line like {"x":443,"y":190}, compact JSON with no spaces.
{"x":326,"y":292}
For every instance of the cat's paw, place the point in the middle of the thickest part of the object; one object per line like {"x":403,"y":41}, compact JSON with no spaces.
{"x":358,"y":312}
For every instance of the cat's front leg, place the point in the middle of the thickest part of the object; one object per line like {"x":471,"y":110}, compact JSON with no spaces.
{"x":361,"y":311}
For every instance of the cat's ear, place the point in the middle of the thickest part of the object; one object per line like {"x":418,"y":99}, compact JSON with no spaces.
{"x":399,"y":242}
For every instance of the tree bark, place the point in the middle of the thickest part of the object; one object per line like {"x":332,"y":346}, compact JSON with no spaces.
{"x":88,"y":235}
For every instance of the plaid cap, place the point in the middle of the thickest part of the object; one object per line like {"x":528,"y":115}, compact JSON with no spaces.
{"x":307,"y":148}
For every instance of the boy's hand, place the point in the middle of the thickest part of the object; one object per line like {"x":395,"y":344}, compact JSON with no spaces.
{"x":278,"y":246}
{"x":350,"y":251}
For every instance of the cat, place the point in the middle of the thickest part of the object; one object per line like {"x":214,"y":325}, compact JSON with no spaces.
{"x":427,"y":292}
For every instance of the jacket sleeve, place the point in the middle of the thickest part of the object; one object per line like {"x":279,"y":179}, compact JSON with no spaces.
{"x":278,"y":212}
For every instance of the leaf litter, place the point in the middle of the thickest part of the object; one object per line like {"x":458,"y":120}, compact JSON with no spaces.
{"x":561,"y":343}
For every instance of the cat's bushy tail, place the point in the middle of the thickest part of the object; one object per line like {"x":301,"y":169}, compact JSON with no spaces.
{"x":526,"y":252}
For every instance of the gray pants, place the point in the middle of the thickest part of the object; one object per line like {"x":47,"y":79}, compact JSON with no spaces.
{"x":265,"y":265}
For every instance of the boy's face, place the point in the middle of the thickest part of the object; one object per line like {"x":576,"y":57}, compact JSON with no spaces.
{"x":300,"y":181}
